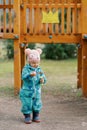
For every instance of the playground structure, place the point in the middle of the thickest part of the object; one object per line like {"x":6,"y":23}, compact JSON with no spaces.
{"x":25,"y":25}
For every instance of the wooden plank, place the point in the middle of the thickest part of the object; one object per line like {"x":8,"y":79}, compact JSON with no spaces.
{"x":41,"y":25}
{"x":44,"y":9}
{"x":84,"y":48}
{"x":10,"y":19}
{"x":4,"y":18}
{"x":17,"y":58}
{"x":68,"y":18}
{"x":21,"y":17}
{"x":37,"y":22}
{"x":55,"y":38}
{"x":79,"y":67}
{"x":79,"y":21}
{"x":56,"y":24}
{"x":84,"y":67}
{"x":50,"y":24}
{"x":62,"y":18}
{"x":74,"y":19}
{"x":31,"y":19}
{"x":8,"y":35}
{"x":24,"y":17}
{"x":6,"y":6}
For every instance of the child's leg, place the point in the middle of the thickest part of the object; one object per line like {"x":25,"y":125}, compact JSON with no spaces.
{"x":26,"y":108}
{"x":37,"y":105}
{"x":36,"y":117}
{"x":27,"y":118}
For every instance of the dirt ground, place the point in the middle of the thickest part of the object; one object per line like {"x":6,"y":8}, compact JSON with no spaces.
{"x":58,"y":113}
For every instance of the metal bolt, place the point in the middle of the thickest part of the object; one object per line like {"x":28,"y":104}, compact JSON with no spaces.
{"x":22,"y":6}
{"x":85,"y":36}
{"x":50,"y":36}
{"x":16,"y":36}
{"x":84,"y":57}
{"x":78,"y":45}
{"x":22,"y":45}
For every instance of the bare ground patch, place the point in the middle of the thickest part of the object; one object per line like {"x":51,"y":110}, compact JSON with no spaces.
{"x":58,"y":113}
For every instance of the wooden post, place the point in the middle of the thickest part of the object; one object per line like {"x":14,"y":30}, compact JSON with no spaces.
{"x":84,"y":48}
{"x":23,"y":31}
{"x":17,"y":58}
{"x":79,"y":73}
{"x":23,"y":57}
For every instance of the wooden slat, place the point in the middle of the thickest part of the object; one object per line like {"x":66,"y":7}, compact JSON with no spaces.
{"x":43,"y":9}
{"x":55,"y":38}
{"x":50,"y":24}
{"x":37,"y":12}
{"x":4,"y":17}
{"x":24,"y":18}
{"x":41,"y":25}
{"x":74,"y":18}
{"x":79,"y":21}
{"x":68,"y":18}
{"x":31,"y":19}
{"x":62,"y":18}
{"x":21,"y":17}
{"x":56,"y":24}
{"x":10,"y":18}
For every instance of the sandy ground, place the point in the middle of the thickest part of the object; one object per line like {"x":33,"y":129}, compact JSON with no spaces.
{"x":58,"y":113}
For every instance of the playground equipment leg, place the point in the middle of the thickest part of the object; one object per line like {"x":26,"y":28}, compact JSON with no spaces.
{"x":84,"y":67}
{"x":79,"y":73}
{"x":17,"y":67}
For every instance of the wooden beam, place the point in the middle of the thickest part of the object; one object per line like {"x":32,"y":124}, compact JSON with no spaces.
{"x":84,"y":67}
{"x":17,"y":55}
{"x":51,"y":38}
{"x":84,"y":47}
{"x":79,"y":67}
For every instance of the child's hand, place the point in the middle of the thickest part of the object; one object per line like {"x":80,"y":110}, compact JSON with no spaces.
{"x":33,"y":73}
{"x":41,"y":80}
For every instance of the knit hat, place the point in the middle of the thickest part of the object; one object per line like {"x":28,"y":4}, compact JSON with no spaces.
{"x":33,"y":55}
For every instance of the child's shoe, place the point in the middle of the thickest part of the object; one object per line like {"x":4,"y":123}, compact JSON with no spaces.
{"x":36,"y":117}
{"x":28,"y":119}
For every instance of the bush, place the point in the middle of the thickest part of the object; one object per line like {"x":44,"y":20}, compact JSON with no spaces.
{"x":59,"y":51}
{"x":9,"y":49}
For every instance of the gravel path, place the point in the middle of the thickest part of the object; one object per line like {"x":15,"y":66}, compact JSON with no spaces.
{"x":58,"y":113}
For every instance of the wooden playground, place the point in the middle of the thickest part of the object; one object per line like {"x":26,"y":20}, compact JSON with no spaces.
{"x":45,"y":21}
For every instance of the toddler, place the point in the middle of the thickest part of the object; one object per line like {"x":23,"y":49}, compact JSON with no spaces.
{"x":30,"y":93}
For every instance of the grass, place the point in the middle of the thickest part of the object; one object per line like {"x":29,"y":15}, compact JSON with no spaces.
{"x":61,"y":77}
{"x":6,"y":67}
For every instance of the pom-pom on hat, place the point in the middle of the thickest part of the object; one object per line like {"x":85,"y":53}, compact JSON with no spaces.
{"x":33,"y":55}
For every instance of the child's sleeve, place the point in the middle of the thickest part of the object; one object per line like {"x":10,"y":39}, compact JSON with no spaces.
{"x":25,"y":73}
{"x":43,"y":76}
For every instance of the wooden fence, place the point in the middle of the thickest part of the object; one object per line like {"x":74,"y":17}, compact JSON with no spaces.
{"x":68,"y":27}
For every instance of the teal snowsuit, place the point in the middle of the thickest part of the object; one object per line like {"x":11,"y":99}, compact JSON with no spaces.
{"x":30,"y":93}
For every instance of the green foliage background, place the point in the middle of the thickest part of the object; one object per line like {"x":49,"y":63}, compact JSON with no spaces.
{"x":50,"y":51}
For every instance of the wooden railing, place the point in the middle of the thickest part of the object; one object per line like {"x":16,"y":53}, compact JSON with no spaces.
{"x":69,"y":16}
{"x":6,"y":18}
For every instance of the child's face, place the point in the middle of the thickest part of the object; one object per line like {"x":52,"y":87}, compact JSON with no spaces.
{"x":34,"y":64}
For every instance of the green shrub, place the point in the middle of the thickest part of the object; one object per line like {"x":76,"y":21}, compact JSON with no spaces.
{"x":60,"y":51}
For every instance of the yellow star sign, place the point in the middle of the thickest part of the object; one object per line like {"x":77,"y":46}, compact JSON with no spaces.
{"x":50,"y":17}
